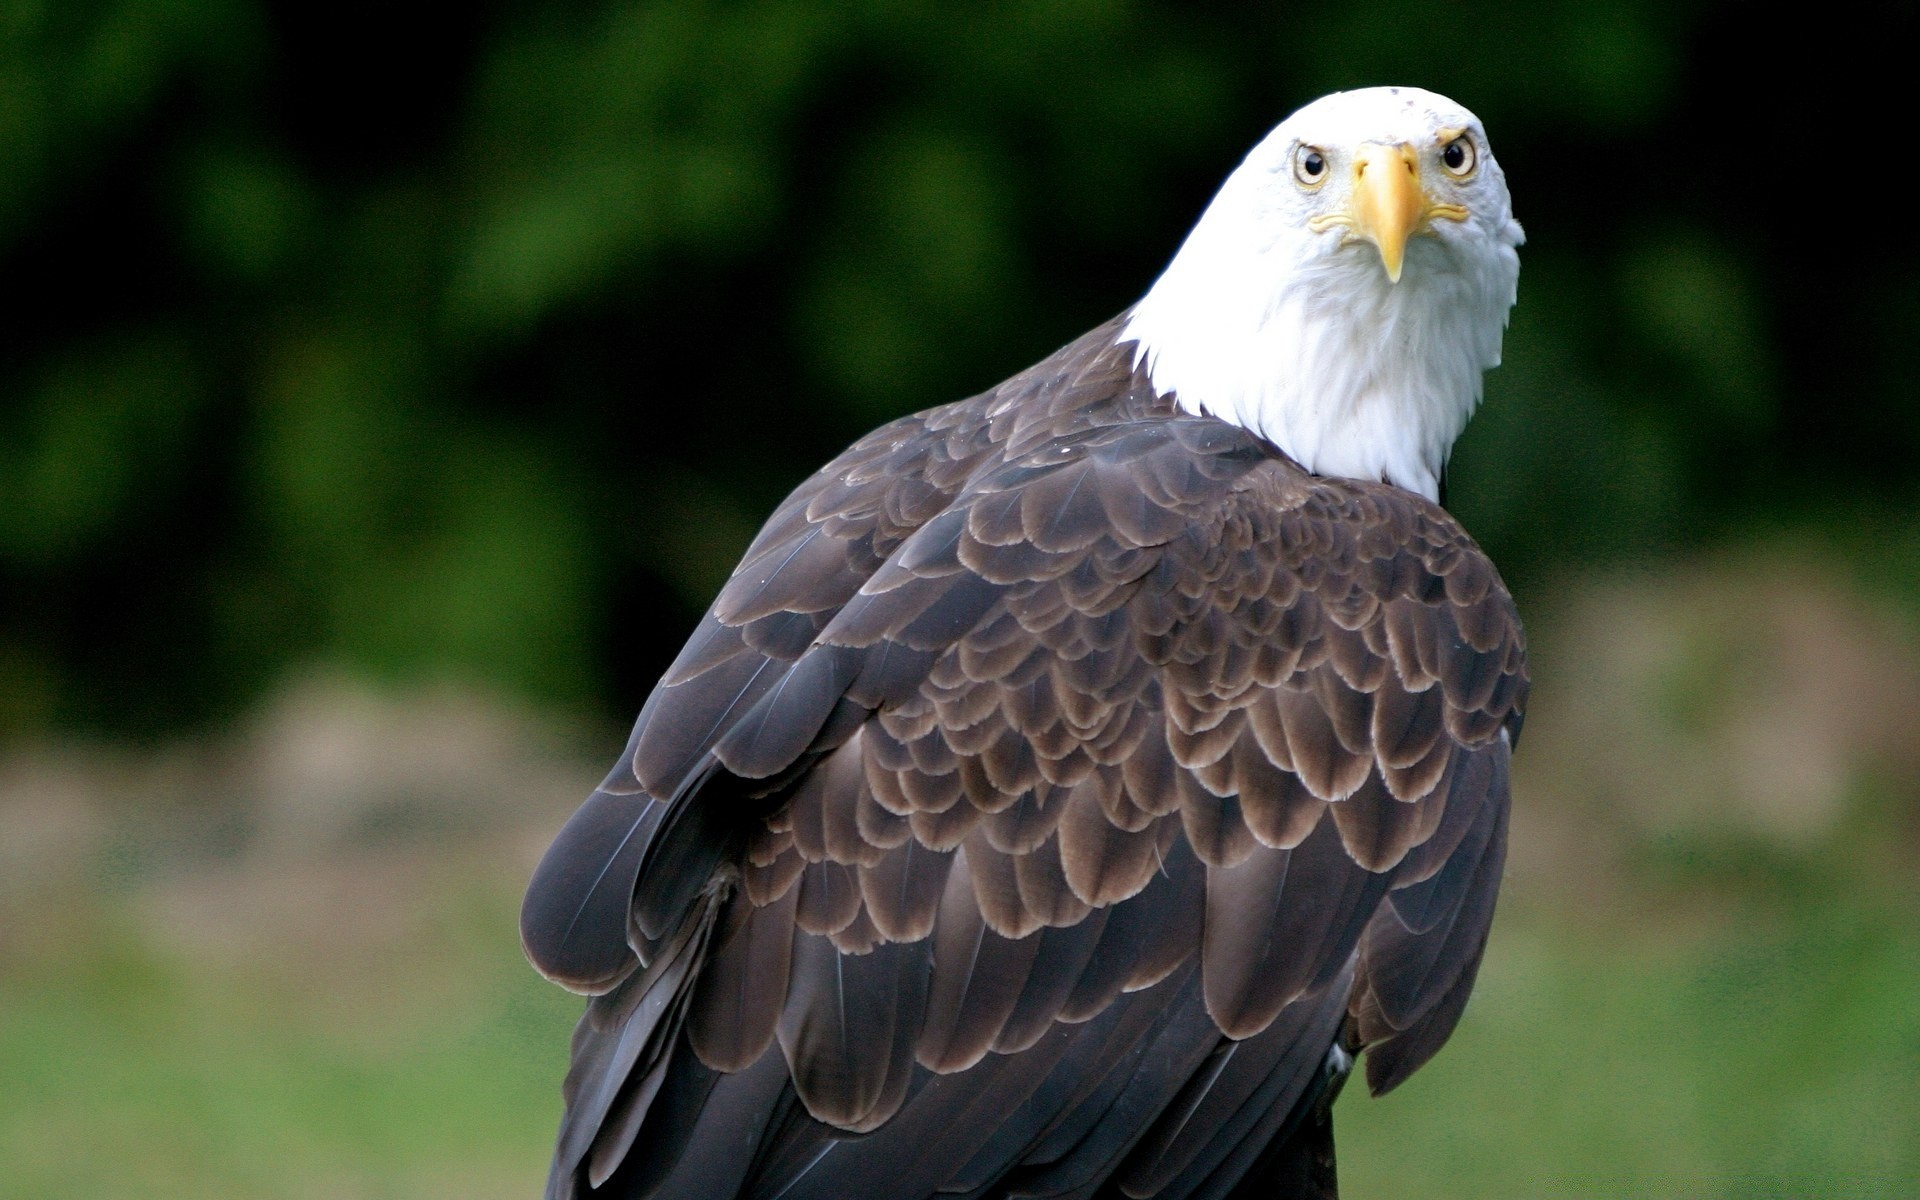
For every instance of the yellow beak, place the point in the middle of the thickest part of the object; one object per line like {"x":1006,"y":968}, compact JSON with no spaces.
{"x":1389,"y":205}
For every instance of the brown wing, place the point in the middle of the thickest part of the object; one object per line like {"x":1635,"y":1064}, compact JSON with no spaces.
{"x":1049,"y":837}
{"x":818,"y":548}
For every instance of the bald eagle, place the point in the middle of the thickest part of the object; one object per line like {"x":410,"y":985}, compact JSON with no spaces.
{"x":1072,"y":780}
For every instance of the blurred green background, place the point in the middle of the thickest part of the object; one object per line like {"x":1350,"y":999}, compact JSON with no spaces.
{"x":385,"y":394}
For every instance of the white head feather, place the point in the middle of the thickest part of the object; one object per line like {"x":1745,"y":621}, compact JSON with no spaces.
{"x":1277,"y":317}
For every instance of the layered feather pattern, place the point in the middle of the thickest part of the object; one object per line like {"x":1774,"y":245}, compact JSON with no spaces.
{"x":1052,"y":782}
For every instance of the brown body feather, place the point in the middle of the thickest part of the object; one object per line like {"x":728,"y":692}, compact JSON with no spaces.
{"x":1053,"y":781}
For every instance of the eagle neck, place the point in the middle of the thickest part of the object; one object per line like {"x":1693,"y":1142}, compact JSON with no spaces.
{"x":1308,"y":344}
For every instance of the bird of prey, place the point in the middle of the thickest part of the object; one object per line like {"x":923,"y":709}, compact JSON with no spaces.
{"x":1073,"y":780}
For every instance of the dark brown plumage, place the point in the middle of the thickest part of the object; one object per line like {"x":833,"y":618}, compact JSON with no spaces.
{"x":1053,"y":786}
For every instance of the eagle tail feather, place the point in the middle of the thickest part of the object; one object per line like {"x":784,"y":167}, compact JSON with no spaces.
{"x":1299,"y":1163}
{"x":624,"y":1054}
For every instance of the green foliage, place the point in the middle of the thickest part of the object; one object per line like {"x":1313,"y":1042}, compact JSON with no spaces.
{"x":97,"y":436}
{"x":480,"y":350}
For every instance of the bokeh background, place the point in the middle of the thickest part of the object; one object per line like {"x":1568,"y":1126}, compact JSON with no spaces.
{"x":382,"y":395}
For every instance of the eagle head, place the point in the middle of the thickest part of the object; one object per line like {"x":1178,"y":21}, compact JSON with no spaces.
{"x":1347,"y":288}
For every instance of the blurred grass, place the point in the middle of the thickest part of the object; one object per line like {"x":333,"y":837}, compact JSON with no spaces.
{"x":1751,"y":1049}
{"x":136,"y":1067}
{"x":1760,"y":1041}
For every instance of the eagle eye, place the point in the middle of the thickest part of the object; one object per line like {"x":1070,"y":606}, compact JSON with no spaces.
{"x":1309,"y":166}
{"x":1459,"y":157}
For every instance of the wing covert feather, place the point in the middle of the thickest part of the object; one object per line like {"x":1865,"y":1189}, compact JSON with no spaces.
{"x":1015,"y":712}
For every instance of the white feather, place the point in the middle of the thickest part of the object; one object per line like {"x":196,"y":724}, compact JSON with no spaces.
{"x":1300,"y":336}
